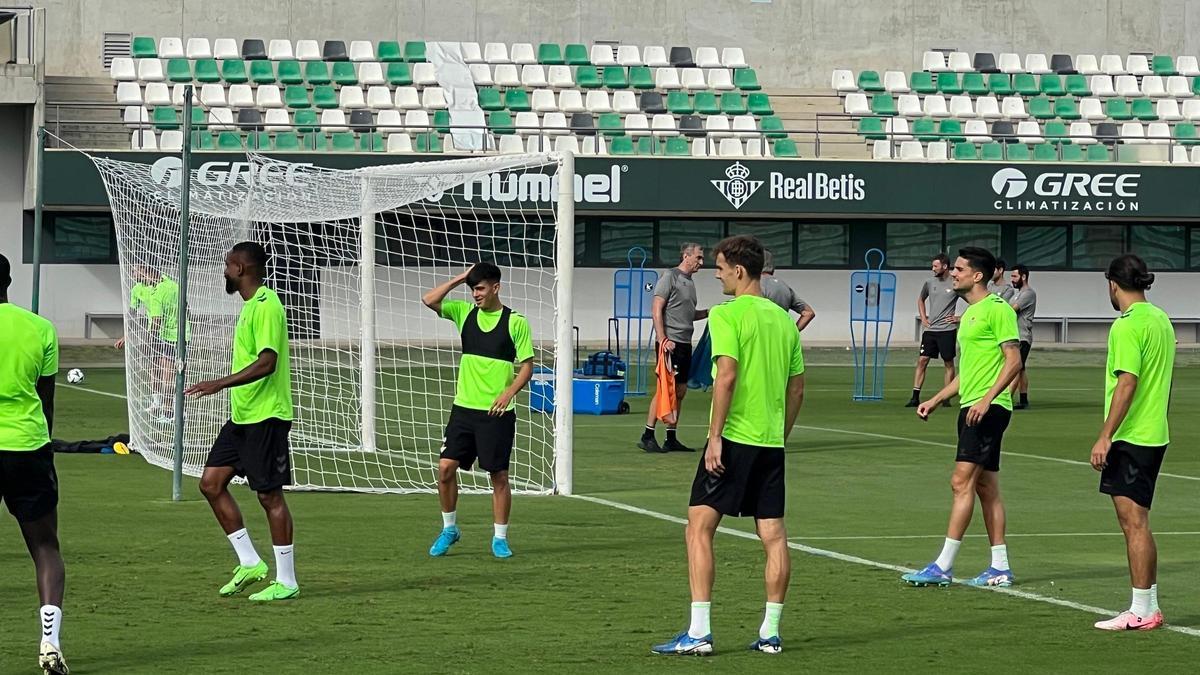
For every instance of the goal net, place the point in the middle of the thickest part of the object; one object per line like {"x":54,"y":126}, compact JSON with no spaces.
{"x":351,"y":254}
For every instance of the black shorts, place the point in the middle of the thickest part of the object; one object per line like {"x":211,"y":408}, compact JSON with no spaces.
{"x":939,"y":344}
{"x":472,"y":434}
{"x":162,"y":348}
{"x":681,"y":360}
{"x":28,"y":482}
{"x":752,"y":484}
{"x":258,"y":451}
{"x":980,"y":444}
{"x":1025,"y":347}
{"x":1132,"y":471}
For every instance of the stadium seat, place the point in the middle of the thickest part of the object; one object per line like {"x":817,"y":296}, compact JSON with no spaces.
{"x":1091,"y":109}
{"x":325,"y":96}
{"x":1013,"y":108}
{"x":289,"y":72}
{"x":909,"y":150}
{"x":1000,"y":84}
{"x":609,"y":124}
{"x":296,"y":97}
{"x":123,"y":69}
{"x":664,"y":125}
{"x":527,"y":123}
{"x":370,"y":73}
{"x":250,"y":119}
{"x":744,"y":125}
{"x":640,"y":77}
{"x":1158,"y":133}
{"x":909,"y":105}
{"x":1065,"y":108}
{"x":534,"y":76}
{"x":934,"y":62}
{"x":692,"y":79}
{"x":1071,"y":153}
{"x":691,"y":125}
{"x":1138,"y":64}
{"x":560,"y":77}
{"x":733,"y":103}
{"x":165,"y":118}
{"x":212,"y":96}
{"x":965,"y":151}
{"x":1187,"y":66}
{"x":150,"y":70}
{"x":143,"y":47}
{"x":574,"y":55}
{"x":1102,"y":86}
{"x":598,"y":102}
{"x":1062,"y":64}
{"x":571,"y":101}
{"x":988,"y":107}
{"x":717,"y":126}
{"x":700,"y":147}
{"x":481,"y":74}
{"x":624,"y":102}
{"x":1025,"y":84}
{"x":350,"y":98}
{"x":615,"y":77}
{"x":922,"y":83}
{"x":1111,"y":64}
{"x":1036,"y":64}
{"x":1097,"y":153}
{"x":681,"y":57}
{"x":746,"y":79}
{"x":1010,"y":63}
{"x":1117,"y":109}
{"x":871,"y":128}
{"x":424,"y":74}
{"x":868,"y":80}
{"x":949,"y":84}
{"x":603,"y":55}
{"x":1177,"y":87}
{"x":629,"y":55}
{"x":398,"y":74}
{"x":262,"y":72}
{"x":651,"y":103}
{"x":707,"y":57}
{"x":1195,"y":153}
{"x":316,"y":73}
{"x":280,"y":50}
{"x":1029,"y":132}
{"x":1046,"y":152}
{"x":772,"y":127}
{"x":731,"y":147}
{"x":757,"y":103}
{"x":1185,"y":133}
{"x":974,"y":84}
{"x":1086,"y":64}
{"x":1179,"y":155}
{"x":976,"y":131}
{"x":620,"y":146}
{"x":240,"y":96}
{"x":583,"y":124}
{"x":718,"y":79}
{"x":341,"y":141}
{"x":506,"y":75}
{"x":542,"y":100}
{"x":1041,"y":108}
{"x":667,"y":79}
{"x":1191,"y":109}
{"x":169,"y":48}
{"x":706,"y":103}
{"x":344,"y":74}
{"x":935,"y":106}
{"x":221,"y":119}
{"x":1143,"y":109}
{"x":307,"y":121}
{"x":156,"y":94}
{"x":522,"y":54}
{"x":130,"y":93}
{"x":677,"y":146}
{"x":1132,"y":133}
{"x":555,"y":123}
{"x":143,"y":139}
{"x":1081,"y":133}
{"x":407,"y":98}
{"x":937,"y":151}
{"x":414,"y":52}
{"x":254,"y":50}
{"x":1163,"y":65}
{"x":733,"y":57}
{"x":233,"y":71}
{"x":843,"y":80}
{"x":960,"y":107}
{"x":951,"y":130}
{"x":924,"y":129}
{"x":894,"y":82}
{"x":1002,"y":130}
{"x":198,"y":48}
{"x":1168,"y":109}
{"x":550,"y":54}
{"x":587,"y":77}
{"x":510,"y":145}
{"x":1153,"y":86}
{"x":1051,"y":85}
{"x":276,"y":119}
{"x":371,"y":142}
{"x":389,"y":121}
{"x":286,"y":141}
{"x":1056,"y":132}
{"x":959,"y":62}
{"x":203,"y":140}
{"x":225,"y":48}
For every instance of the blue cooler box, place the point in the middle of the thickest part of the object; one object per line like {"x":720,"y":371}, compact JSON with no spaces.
{"x":593,"y":395}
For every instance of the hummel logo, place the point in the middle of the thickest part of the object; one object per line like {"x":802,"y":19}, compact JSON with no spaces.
{"x":1131,"y":474}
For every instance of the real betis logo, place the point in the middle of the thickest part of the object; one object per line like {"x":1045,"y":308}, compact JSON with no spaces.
{"x":737,"y":189}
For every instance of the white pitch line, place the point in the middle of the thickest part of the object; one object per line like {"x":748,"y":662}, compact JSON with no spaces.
{"x":842,"y":557}
{"x":868,"y":537}
{"x":91,"y":391}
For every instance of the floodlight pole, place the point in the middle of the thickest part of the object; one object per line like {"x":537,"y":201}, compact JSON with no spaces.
{"x":35,"y":301}
{"x":185,"y":189}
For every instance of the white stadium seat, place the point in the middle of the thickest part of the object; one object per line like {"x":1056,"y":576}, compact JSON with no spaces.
{"x":843,"y":80}
{"x":268,"y":96}
{"x":123,"y":69}
{"x":129,"y":93}
{"x":361,"y":50}
{"x":171,"y":48}
{"x":496,"y":52}
{"x":308,"y":50}
{"x":707,"y":57}
{"x":225,"y":48}
{"x":655,"y":56}
{"x":156,"y":94}
{"x":732,"y":57}
{"x":199,"y":48}
{"x":571,"y":101}
{"x":522,"y":54}
{"x":471,"y":52}
{"x":629,"y":55}
{"x":280,"y":50}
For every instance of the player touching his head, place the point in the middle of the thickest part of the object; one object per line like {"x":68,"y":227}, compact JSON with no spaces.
{"x":989,"y":359}
{"x":483,"y":422}
{"x":758,"y":386}
{"x":1134,"y":438}
{"x":254,"y":442}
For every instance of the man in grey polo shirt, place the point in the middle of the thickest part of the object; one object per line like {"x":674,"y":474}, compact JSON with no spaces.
{"x":778,"y":292}
{"x":940,"y":324}
{"x":999,"y":284}
{"x":674,"y":313}
{"x":1025,"y":302}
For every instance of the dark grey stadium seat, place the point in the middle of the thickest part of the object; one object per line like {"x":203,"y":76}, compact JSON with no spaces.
{"x":254,"y":50}
{"x":985,"y":62}
{"x":1002,"y":130}
{"x":582,"y":124}
{"x":362,"y":120}
{"x":1062,"y":64}
{"x":681,"y":57}
{"x":691,"y":125}
{"x":335,"y":50}
{"x":250,"y":119}
{"x":651,"y":103}
{"x":1107,"y":133}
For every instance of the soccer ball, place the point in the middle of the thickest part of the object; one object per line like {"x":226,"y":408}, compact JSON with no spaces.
{"x":74,"y":376}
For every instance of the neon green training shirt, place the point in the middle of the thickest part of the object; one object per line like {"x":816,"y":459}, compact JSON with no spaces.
{"x":29,"y":351}
{"x":262,"y":325}
{"x":985,"y":326}
{"x":139,"y":296}
{"x":163,"y":304}
{"x":480,"y":379}
{"x":1142,"y":342}
{"x":761,"y":337}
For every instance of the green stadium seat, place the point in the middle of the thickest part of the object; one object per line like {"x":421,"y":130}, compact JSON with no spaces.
{"x":229,"y":140}
{"x":1097,"y":153}
{"x":1143,"y":109}
{"x":166,"y":117}
{"x":577,"y":55}
{"x":344,"y":73}
{"x":992,"y":152}
{"x":490,"y":99}
{"x":609,"y":124}
{"x":771,"y":127}
{"x":550,"y":54}
{"x":872,"y":129}
{"x":517,"y":100}
{"x":784,"y":147}
{"x":287,"y":141}
{"x":1066,"y":108}
{"x":1056,"y":132}
{"x":951,"y":130}
{"x":1045,"y":152}
{"x":679,"y":103}
{"x":759,"y":104}
{"x":648,"y":145}
{"x":313,"y":140}
{"x":1017,"y":152}
{"x":1041,"y":108}
{"x":258,"y":140}
{"x":316,"y":72}
{"x":621,"y":146}
{"x":262,"y":72}
{"x":1185,"y":133}
{"x":746,"y":79}
{"x":1052,"y":85}
{"x":949,"y":84}
{"x":1025,"y":84}
{"x":1161,"y":65}
{"x":399,"y":74}
{"x":233,"y":71}
{"x":373,"y":142}
{"x":143,"y":48}
{"x":924,"y":129}
{"x":732,"y":103}
{"x":289,"y":72}
{"x":587,"y":77}
{"x":342,"y":141}
{"x":974,"y":84}
{"x":1072,"y":153}
{"x":966,"y":151}
{"x":1000,"y":84}
{"x":199,"y":118}
{"x":615,"y":77}
{"x":441,"y":121}
{"x":306,"y":121}
{"x":640,"y":77}
{"x":414,"y":52}
{"x":388,"y":51}
{"x":1077,"y":85}
{"x":921,"y":82}
{"x":501,"y":123}
{"x":706,"y":103}
{"x":179,"y":70}
{"x":883,"y":104}
{"x":1117,"y":109}
{"x":324,"y":97}
{"x":296,"y":97}
{"x":203,"y":140}
{"x":207,"y":72}
{"x":1196,"y":86}
{"x":678,"y":146}
{"x":868,"y":80}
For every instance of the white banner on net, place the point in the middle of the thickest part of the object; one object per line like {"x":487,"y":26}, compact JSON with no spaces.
{"x":373,"y":370}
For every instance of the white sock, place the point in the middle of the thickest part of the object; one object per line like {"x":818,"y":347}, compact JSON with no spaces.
{"x":1000,"y":557}
{"x":700,"y":626}
{"x":244,"y":548}
{"x":285,"y":566}
{"x":51,"y":621}
{"x":501,"y":530}
{"x":949,"y":550}
{"x":1153,"y":598}
{"x":770,"y":624}
{"x":1141,"y":602}
{"x":449,"y":519}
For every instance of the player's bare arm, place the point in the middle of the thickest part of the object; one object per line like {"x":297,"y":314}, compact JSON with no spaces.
{"x":262,"y":367}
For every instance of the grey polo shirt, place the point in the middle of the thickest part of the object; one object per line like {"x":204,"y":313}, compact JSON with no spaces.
{"x":940,"y":301}
{"x":679,"y":315}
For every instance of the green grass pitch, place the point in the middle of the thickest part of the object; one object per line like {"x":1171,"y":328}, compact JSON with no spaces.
{"x":593,"y":585}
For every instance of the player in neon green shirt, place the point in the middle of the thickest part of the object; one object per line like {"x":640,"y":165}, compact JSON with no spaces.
{"x":482,"y":424}
{"x":28,"y":482}
{"x":989,"y":359}
{"x":254,"y":442}
{"x":1134,"y":437}
{"x":758,"y":386}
